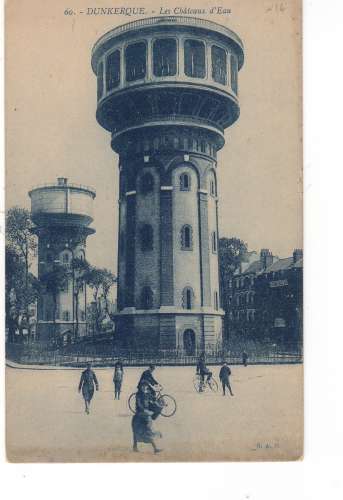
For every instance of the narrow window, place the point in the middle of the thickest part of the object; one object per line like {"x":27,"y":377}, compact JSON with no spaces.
{"x":164,"y":57}
{"x":216,"y":301}
{"x":113,"y":70}
{"x":146,"y":298}
{"x":66,"y":258}
{"x":214,"y":242}
{"x":185,"y":182}
{"x":135,"y":58}
{"x":147,"y":235}
{"x":234,"y":72}
{"x":147,"y":183}
{"x":194,"y":59}
{"x":219,"y":65}
{"x":100,"y":80}
{"x":186,"y":238}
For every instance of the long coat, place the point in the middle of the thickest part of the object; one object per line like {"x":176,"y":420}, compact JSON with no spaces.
{"x":141,"y":421}
{"x":87,"y":382}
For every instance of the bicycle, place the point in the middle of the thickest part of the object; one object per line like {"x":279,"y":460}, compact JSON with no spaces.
{"x":167,"y":403}
{"x":200,"y":386}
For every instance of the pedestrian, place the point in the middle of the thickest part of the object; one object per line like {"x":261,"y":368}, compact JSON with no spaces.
{"x":245,"y":358}
{"x":142,"y":420}
{"x":118,"y":378}
{"x":224,"y":375}
{"x":153,"y":387}
{"x":87,"y":382}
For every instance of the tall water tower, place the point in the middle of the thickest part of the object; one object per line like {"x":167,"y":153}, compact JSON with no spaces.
{"x":167,"y":89}
{"x":62,"y":213}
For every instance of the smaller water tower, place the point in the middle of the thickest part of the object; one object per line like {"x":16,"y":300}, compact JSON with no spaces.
{"x":62,"y":213}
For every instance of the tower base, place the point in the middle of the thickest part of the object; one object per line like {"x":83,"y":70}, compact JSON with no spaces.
{"x":169,"y":328}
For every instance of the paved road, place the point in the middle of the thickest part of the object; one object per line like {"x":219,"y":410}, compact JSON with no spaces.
{"x":46,"y":419}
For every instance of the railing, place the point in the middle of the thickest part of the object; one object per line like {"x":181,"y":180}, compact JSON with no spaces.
{"x":63,"y":186}
{"x":106,"y":354}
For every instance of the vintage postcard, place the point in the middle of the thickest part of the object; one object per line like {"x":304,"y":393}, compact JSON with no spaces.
{"x":154,"y":259}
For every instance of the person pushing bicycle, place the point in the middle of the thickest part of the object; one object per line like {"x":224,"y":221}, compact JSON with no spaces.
{"x":202,"y":370}
{"x":148,"y":379}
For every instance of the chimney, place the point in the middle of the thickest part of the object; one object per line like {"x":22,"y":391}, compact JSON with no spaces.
{"x":266,"y":258}
{"x":62,"y":181}
{"x":297,"y":255}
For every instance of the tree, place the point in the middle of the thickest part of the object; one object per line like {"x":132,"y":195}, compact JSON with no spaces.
{"x":20,"y":235}
{"x":231,"y":252}
{"x":53,"y":282}
{"x":22,"y":290}
{"x":21,"y":238}
{"x":80,"y":269}
{"x":100,"y":281}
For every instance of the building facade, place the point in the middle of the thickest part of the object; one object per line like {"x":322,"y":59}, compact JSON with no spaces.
{"x":265,"y":301}
{"x":167,"y":89}
{"x":62,"y":213}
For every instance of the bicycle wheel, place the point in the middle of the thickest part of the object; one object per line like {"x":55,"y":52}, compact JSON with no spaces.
{"x":168,"y":405}
{"x":132,"y":402}
{"x":197,"y":382}
{"x":213,"y":385}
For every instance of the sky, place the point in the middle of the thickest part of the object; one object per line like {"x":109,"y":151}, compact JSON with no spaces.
{"x":51,"y":128}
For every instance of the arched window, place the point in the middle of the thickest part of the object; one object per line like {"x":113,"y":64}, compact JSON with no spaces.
{"x":113,"y":70}
{"x":147,"y":237}
{"x":185,"y":182}
{"x":219,"y":67}
{"x":146,"y":298}
{"x":100,"y":80}
{"x":135,"y":58}
{"x":214,"y":242}
{"x":234,"y":73}
{"x":216,"y":304}
{"x":194,"y":59}
{"x":187,"y":298}
{"x":186,"y":238}
{"x":147,"y":183}
{"x":164,"y":57}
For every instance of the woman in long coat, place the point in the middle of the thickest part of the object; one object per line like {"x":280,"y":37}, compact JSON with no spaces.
{"x":142,"y":421}
{"x":87,"y":382}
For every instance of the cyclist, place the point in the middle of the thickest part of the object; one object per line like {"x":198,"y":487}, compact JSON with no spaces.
{"x":153,"y":385}
{"x":202,"y":370}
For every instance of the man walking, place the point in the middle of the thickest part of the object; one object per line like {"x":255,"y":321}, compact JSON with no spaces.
{"x":224,"y":375}
{"x":87,"y":382}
